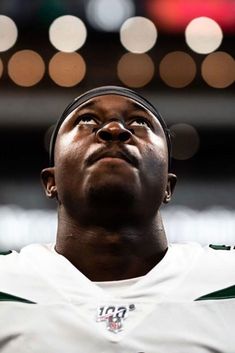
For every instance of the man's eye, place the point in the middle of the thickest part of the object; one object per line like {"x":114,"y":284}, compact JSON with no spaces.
{"x":140,"y":122}
{"x":86,"y":120}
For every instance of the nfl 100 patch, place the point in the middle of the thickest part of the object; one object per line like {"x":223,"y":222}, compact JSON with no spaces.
{"x":113,"y":316}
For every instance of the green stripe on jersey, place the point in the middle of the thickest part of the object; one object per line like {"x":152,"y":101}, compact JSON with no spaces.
{"x":6,"y":252}
{"x":225,"y":293}
{"x":221,"y":247}
{"x":5,"y":297}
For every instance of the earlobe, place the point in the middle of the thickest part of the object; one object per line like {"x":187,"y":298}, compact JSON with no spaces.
{"x":170,"y":187}
{"x":48,"y":181}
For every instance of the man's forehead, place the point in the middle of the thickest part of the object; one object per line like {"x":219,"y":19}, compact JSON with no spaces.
{"x":100,"y":101}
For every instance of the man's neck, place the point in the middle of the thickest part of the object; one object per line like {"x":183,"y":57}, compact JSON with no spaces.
{"x":102,"y":254}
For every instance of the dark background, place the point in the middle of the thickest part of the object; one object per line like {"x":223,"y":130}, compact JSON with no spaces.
{"x":206,"y":179}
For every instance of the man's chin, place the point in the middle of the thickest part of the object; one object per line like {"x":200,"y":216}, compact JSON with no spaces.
{"x":111,"y":206}
{"x":111,"y":194}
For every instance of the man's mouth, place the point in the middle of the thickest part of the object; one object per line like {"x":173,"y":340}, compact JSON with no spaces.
{"x":96,"y":156}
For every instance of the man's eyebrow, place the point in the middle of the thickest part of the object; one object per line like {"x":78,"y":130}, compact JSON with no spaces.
{"x":139,"y":107}
{"x":89,"y":104}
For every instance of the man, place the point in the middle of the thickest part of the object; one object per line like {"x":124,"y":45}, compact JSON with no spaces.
{"x":112,"y":283}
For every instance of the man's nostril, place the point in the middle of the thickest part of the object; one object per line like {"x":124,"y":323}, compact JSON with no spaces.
{"x":124,"y":136}
{"x":105,"y":135}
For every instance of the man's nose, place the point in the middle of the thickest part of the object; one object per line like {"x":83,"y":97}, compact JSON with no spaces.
{"x":114,"y":131}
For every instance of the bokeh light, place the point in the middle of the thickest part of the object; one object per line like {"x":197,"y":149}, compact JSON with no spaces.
{"x":108,"y":15}
{"x":8,"y":33}
{"x":203,"y":35}
{"x":185,"y":141}
{"x":177,"y":69}
{"x":138,"y":34}
{"x":135,"y":70}
{"x":67,"y":33}
{"x":218,"y":70}
{"x":1,"y":68}
{"x":26,"y":68}
{"x":67,"y":69}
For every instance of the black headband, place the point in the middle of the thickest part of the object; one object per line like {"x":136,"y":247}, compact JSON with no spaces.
{"x":104,"y":90}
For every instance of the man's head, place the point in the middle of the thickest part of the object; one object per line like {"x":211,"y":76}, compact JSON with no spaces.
{"x":107,"y":90}
{"x":110,"y":153}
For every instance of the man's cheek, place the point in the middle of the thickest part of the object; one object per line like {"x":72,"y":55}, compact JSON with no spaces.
{"x":155,"y":157}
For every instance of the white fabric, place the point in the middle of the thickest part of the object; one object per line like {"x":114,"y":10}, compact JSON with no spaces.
{"x":117,"y":287}
{"x":166,"y":318}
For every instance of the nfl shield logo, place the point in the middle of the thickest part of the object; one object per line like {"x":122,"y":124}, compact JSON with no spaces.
{"x":114,"y":324}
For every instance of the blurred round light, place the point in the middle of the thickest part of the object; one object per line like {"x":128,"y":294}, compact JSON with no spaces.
{"x":67,"y":69}
{"x":185,"y":141}
{"x":67,"y":33}
{"x":1,"y":68}
{"x":177,"y":69}
{"x":135,"y":70}
{"x":8,"y":33}
{"x":138,"y":34}
{"x":108,"y":15}
{"x":26,"y":68}
{"x":203,"y":35}
{"x":218,"y":70}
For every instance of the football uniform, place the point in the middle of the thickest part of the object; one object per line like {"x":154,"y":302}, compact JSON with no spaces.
{"x":186,"y":303}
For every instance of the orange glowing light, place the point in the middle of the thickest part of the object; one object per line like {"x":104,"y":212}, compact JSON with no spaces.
{"x":135,"y":70}
{"x":177,"y":69}
{"x":67,"y":69}
{"x":26,"y":68}
{"x":218,"y":70}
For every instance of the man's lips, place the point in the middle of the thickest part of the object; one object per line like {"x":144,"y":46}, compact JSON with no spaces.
{"x":120,"y":154}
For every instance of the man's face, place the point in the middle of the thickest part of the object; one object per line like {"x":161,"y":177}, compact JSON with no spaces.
{"x":111,"y":153}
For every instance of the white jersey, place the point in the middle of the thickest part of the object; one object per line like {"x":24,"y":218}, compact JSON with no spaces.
{"x":185,"y":304}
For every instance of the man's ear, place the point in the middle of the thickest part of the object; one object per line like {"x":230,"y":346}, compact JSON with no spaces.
{"x":172,"y":178}
{"x":48,"y":181}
